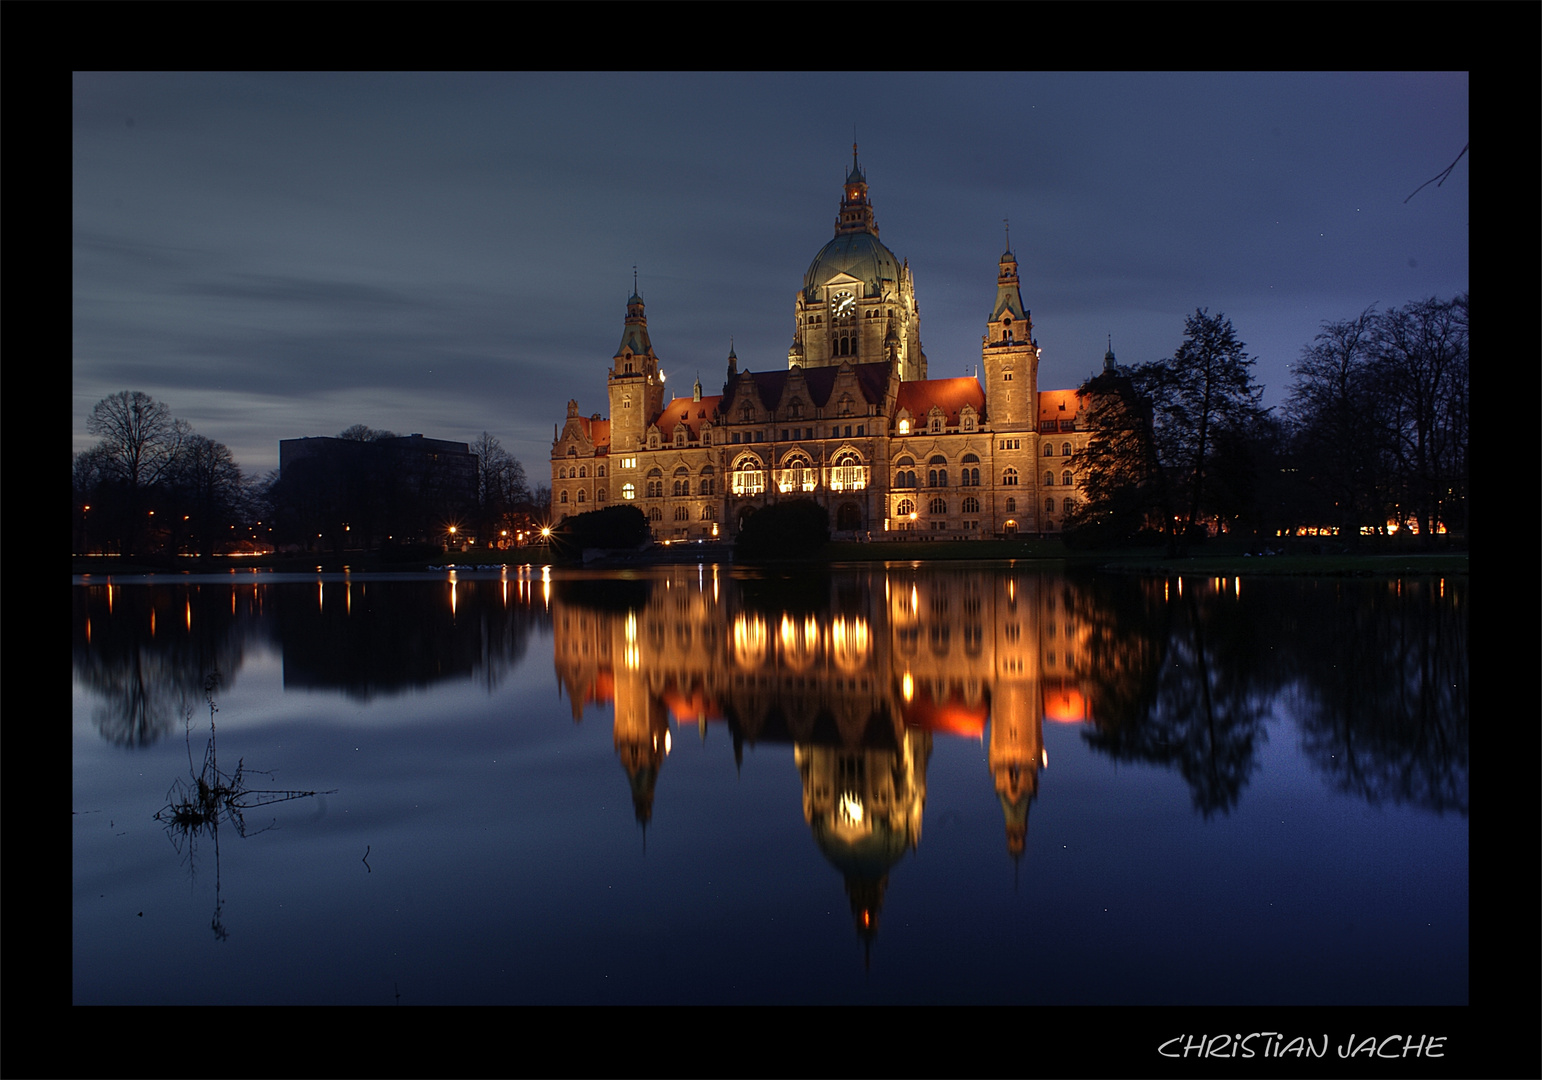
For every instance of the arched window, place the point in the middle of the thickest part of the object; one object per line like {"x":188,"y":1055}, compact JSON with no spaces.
{"x":1049,"y":505}
{"x":905,"y":477}
{"x":1011,"y":506}
{"x":1065,"y":478}
{"x":562,"y":474}
{"x":905,"y":508}
{"x":600,"y":471}
{"x":707,"y":513}
{"x":938,"y":507}
{"x":1009,"y":478}
{"x":580,"y":494}
{"x":937,"y":475}
{"x":583,"y":471}
{"x":749,"y":476}
{"x":797,"y":474}
{"x":971,"y":471}
{"x":564,"y":497}
{"x":1065,"y":449}
{"x":971,"y":505}
{"x":655,"y":514}
{"x":628,"y":491}
{"x":848,"y":473}
{"x":682,"y":513}
{"x":599,"y":496}
{"x":1049,"y":479}
{"x":1049,"y":449}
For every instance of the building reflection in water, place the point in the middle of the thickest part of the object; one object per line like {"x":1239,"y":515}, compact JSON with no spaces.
{"x":859,"y":671}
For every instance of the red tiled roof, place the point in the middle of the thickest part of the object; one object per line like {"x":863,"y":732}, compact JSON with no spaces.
{"x":691,"y":413}
{"x":1051,"y":400}
{"x":950,"y":395}
{"x":599,"y":434}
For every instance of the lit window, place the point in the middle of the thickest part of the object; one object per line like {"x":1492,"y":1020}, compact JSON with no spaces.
{"x":628,"y":491}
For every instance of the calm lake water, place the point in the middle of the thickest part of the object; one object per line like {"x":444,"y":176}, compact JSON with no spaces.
{"x":889,"y":784}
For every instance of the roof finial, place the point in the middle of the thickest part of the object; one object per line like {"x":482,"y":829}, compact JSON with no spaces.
{"x":1008,"y":225}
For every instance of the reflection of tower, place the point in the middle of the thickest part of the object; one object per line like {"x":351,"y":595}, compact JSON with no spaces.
{"x":642,"y":725}
{"x":1017,"y":732}
{"x":864,"y":806}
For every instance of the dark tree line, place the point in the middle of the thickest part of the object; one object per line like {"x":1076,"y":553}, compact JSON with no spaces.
{"x":153,"y":485}
{"x":1375,"y":431}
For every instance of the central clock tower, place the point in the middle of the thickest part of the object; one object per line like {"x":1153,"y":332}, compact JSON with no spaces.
{"x":857,"y":304}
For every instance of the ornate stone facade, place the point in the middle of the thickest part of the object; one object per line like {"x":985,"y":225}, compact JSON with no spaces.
{"x":852,"y":421}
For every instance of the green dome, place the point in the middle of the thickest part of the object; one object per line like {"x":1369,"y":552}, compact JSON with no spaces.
{"x":859,"y":254}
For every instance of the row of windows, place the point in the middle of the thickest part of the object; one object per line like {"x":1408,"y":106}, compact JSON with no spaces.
{"x":682,"y":513}
{"x":935,"y":425}
{"x":802,"y":477}
{"x":939,"y":506}
{"x":1049,"y":449}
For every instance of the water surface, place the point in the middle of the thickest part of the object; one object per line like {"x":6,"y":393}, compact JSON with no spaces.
{"x":902,"y":784}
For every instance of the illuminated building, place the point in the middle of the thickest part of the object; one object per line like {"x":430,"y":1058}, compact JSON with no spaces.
{"x":852,"y":421}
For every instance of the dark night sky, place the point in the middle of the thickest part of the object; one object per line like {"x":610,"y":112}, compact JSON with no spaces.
{"x":284,"y":255}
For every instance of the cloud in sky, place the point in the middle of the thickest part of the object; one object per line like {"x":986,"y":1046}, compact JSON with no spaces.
{"x":279,"y":255}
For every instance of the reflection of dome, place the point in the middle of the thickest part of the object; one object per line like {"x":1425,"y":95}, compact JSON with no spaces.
{"x":860,"y":254}
{"x":869,"y":854}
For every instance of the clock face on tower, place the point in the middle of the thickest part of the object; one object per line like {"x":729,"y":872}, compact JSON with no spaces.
{"x":842,"y":305}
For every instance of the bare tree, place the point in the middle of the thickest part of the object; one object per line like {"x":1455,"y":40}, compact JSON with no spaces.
{"x":1339,"y":421}
{"x":139,"y":436}
{"x":501,"y":487}
{"x":139,"y":448}
{"x":210,"y":486}
{"x":1422,"y":366}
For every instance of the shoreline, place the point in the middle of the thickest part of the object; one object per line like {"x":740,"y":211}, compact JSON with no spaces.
{"x":1047,"y":555}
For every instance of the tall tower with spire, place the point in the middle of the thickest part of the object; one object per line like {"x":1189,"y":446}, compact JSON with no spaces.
{"x":636,"y":383}
{"x":1009,"y":353}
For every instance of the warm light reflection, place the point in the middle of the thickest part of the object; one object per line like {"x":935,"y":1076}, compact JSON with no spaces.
{"x":908,"y":687}
{"x":851,"y":809}
{"x":633,"y":656}
{"x":849,"y":643}
{"x":750,"y":637}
